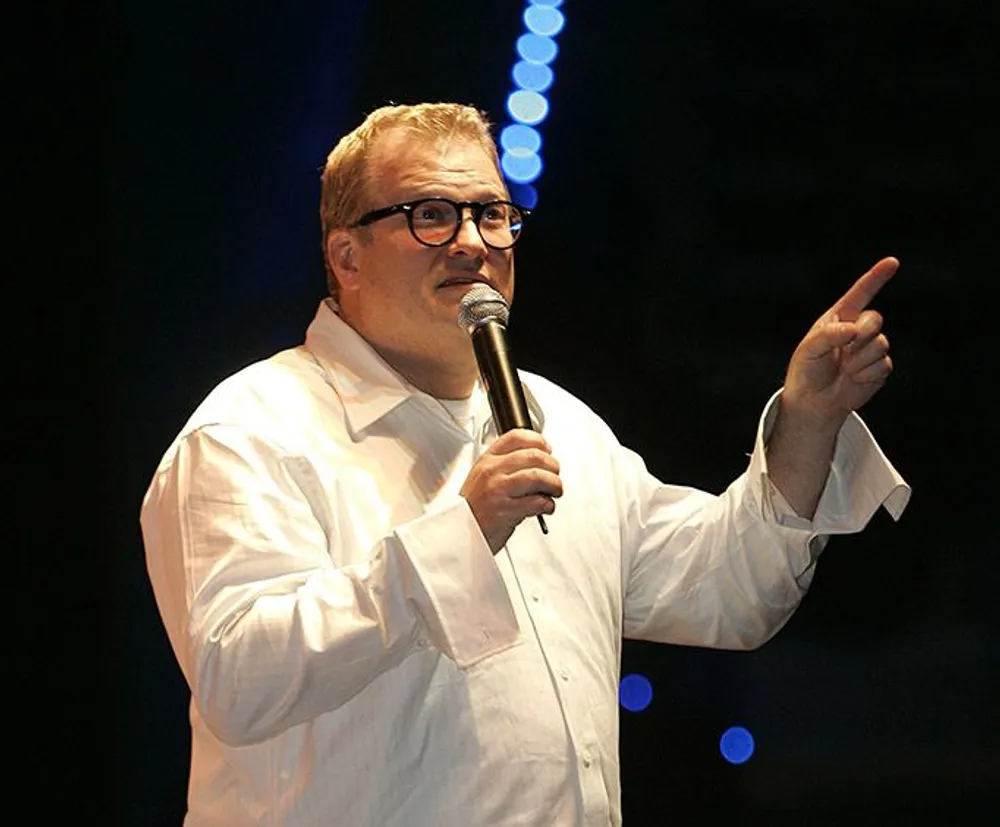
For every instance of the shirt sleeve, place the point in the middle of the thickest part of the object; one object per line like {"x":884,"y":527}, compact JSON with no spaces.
{"x":728,"y":571}
{"x":268,"y":631}
{"x":861,"y":480}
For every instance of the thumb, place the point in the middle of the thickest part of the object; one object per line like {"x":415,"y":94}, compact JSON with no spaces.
{"x":825,"y":337}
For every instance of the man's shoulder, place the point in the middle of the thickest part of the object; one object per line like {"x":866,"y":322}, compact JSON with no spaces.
{"x":270,"y":406}
{"x":542,"y":386}
{"x":264,"y":395}
{"x":559,"y":403}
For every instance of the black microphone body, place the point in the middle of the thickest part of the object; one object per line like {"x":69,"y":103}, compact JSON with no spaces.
{"x":483,"y":314}
{"x":500,"y":379}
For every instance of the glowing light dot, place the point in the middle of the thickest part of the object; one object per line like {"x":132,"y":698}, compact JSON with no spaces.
{"x":527,"y":107}
{"x":635,"y":692}
{"x":535,"y":76}
{"x":521,"y":165}
{"x":519,"y":136}
{"x":544,"y":20}
{"x":523,"y":194}
{"x":736,"y":745}
{"x":537,"y":48}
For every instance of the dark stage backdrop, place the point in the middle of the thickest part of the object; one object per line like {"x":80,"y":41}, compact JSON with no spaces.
{"x":716,"y":175}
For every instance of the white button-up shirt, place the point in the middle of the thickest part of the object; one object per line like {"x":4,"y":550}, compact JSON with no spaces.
{"x":356,"y":654}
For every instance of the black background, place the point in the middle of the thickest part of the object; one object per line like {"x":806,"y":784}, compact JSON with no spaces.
{"x":717,"y":174}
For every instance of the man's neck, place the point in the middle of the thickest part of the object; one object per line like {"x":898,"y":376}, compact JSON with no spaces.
{"x":448,"y":373}
{"x":443,"y":380}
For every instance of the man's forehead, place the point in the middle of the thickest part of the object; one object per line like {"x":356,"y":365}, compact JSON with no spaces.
{"x":401,"y":140}
{"x":412,"y":160}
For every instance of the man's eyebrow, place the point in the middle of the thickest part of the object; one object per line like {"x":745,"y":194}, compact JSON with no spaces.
{"x":485,"y":191}
{"x":490,"y":194}
{"x":481,"y":197}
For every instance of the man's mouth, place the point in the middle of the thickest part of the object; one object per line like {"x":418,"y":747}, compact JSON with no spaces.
{"x":463,"y":281}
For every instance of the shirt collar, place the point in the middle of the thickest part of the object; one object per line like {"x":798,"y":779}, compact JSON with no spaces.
{"x":367,"y":386}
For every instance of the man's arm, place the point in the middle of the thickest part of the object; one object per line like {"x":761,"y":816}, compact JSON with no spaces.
{"x":837,"y":367}
{"x":278,"y":614}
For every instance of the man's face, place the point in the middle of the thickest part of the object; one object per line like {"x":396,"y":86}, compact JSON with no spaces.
{"x":402,"y":296}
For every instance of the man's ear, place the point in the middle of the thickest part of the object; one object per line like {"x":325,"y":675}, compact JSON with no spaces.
{"x":342,"y":257}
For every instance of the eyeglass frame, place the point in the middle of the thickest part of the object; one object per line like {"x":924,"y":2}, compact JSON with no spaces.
{"x":478,"y":208}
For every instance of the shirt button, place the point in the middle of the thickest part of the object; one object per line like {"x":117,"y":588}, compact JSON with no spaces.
{"x":487,"y":636}
{"x":588,"y":759}
{"x":536,"y":596}
{"x":564,"y":673}
{"x":421,"y":643}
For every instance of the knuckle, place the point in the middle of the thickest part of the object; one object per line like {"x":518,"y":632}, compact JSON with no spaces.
{"x":540,"y":458}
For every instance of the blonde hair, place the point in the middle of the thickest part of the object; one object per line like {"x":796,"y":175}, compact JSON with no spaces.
{"x":347,"y":174}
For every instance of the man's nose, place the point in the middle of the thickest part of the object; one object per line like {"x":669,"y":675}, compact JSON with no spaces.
{"x":469,"y":238}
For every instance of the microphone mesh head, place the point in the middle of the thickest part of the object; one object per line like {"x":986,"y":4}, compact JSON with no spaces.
{"x":481,"y":303}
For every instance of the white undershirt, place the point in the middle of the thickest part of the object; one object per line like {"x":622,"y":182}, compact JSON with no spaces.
{"x":463,"y":412}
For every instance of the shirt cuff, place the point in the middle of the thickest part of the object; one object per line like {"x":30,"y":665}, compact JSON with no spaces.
{"x":861,"y":479}
{"x":458,"y":590}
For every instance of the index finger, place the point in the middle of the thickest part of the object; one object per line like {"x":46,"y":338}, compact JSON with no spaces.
{"x":518,"y":438}
{"x":861,"y":293}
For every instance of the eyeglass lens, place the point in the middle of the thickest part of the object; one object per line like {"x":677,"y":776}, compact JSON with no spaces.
{"x":436,"y":222}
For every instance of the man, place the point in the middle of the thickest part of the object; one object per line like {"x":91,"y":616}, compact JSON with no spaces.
{"x":373,"y":630}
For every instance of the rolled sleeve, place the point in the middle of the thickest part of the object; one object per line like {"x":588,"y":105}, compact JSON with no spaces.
{"x":860,"y":481}
{"x":460,"y":596}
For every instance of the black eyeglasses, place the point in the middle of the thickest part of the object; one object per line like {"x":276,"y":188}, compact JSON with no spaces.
{"x":435,"y":222}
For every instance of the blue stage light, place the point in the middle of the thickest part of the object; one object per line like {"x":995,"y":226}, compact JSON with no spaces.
{"x":519,"y":136}
{"x":521,"y":166}
{"x":523,"y":194}
{"x":534,"y":76}
{"x":635,"y":692}
{"x":736,"y":745}
{"x":527,"y":107}
{"x":536,"y":48}
{"x":544,"y":20}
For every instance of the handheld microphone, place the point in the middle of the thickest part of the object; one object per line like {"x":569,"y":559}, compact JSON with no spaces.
{"x":483,"y":314}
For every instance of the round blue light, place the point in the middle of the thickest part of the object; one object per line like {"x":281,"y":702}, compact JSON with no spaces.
{"x":736,"y":745}
{"x":536,"y":48}
{"x":635,"y":692}
{"x":534,"y":76}
{"x":521,"y":166}
{"x":523,"y":194}
{"x":544,"y":20}
{"x":519,"y":136}
{"x":547,"y":3}
{"x":527,"y":107}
